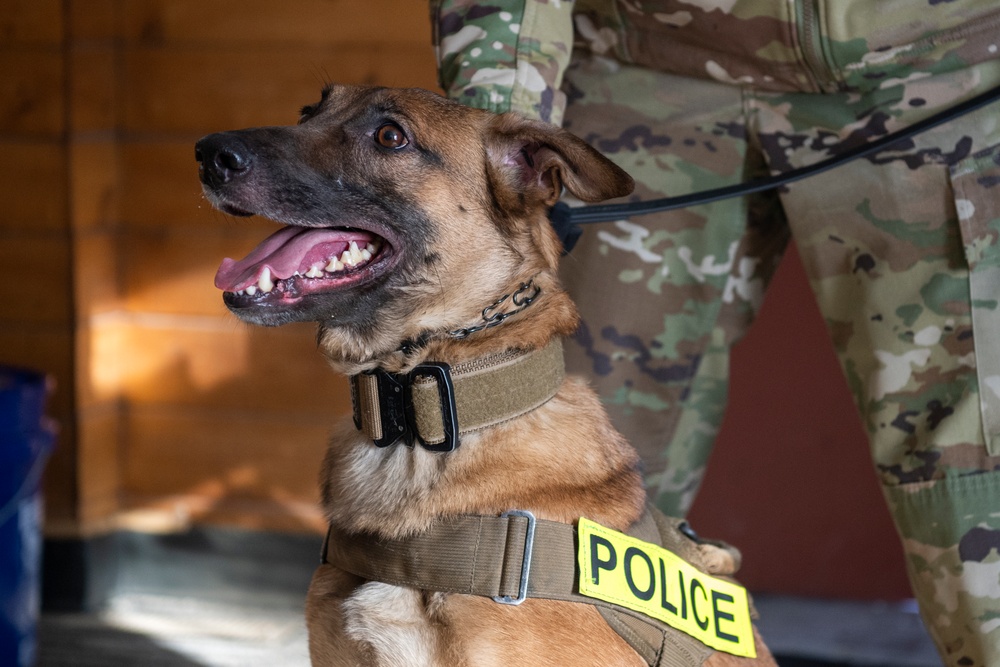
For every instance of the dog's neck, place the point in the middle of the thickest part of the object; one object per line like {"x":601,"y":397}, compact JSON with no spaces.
{"x":449,"y":395}
{"x":561,"y":460}
{"x":436,"y":404}
{"x":550,"y":314}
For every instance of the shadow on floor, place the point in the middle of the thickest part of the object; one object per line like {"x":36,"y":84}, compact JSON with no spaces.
{"x":82,"y":640}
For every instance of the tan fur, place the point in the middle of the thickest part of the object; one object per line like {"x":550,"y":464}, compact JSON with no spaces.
{"x":484,"y":182}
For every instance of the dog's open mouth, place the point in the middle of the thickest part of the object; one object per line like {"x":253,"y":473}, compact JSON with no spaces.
{"x":295,"y":262}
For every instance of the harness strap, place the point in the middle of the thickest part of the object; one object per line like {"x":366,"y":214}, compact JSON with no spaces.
{"x":485,"y":556}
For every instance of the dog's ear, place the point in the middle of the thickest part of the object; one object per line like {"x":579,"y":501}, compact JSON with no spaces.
{"x":536,"y":160}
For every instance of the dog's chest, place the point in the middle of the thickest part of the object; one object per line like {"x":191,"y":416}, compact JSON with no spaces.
{"x":394,"y":622}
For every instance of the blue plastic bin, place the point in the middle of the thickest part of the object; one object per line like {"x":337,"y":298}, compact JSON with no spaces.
{"x":26,"y":440}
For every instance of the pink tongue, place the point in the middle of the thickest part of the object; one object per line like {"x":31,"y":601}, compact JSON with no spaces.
{"x":288,"y":250}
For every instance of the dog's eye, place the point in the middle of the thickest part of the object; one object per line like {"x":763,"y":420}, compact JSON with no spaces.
{"x":391,"y":135}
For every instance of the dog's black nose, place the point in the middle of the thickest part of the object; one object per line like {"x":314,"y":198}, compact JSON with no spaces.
{"x":222,"y":157}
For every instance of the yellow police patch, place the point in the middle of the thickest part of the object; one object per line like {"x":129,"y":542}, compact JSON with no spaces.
{"x":651,"y":580}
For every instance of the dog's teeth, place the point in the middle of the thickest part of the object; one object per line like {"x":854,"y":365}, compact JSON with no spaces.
{"x":333,"y":266}
{"x":264,"y":282}
{"x":251,"y":290}
{"x":355,"y":253}
{"x":346,"y":258}
{"x":371,"y":248}
{"x":240,"y":292}
{"x":315,"y":271}
{"x":366,"y":254}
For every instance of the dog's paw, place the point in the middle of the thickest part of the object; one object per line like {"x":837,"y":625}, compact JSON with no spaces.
{"x":720,"y":558}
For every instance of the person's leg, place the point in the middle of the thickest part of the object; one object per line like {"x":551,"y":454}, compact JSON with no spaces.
{"x":888,"y":243}
{"x":663,"y":297}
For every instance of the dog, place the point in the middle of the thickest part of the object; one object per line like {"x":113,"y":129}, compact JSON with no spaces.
{"x":415,"y":235}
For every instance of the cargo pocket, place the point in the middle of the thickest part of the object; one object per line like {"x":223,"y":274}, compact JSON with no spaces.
{"x":976,"y":184}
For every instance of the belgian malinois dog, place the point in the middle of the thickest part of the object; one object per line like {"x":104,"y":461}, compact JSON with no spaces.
{"x":415,"y":234}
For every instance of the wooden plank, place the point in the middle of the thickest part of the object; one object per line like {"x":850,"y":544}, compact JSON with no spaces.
{"x":96,"y":274}
{"x":45,"y":258}
{"x":94,"y":174}
{"x":31,"y":22}
{"x":98,"y":443}
{"x":215,"y":363}
{"x":31,"y":92}
{"x":195,"y":92}
{"x":220,"y":454}
{"x":93,"y":92}
{"x":33,"y":186}
{"x":259,"y":22}
{"x":94,"y":20}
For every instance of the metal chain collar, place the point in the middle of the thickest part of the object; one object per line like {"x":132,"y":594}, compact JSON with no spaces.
{"x":522,"y":297}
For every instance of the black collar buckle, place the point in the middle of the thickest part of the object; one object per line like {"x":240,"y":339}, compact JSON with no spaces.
{"x":398,"y":417}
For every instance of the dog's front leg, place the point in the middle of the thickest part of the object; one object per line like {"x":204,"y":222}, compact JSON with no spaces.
{"x":352,"y":622}
{"x":394,"y":622}
{"x":329,"y":646}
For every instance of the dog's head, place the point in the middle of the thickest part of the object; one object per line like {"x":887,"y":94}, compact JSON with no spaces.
{"x":405,"y":215}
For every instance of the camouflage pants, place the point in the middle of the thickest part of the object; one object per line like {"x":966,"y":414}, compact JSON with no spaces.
{"x":903,"y":256}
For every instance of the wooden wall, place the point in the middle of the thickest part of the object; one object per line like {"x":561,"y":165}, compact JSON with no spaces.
{"x":171,"y":411}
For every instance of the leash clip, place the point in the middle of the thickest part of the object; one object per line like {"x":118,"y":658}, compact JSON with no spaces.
{"x":398,"y":417}
{"x":529,"y":543}
{"x":561,"y":219}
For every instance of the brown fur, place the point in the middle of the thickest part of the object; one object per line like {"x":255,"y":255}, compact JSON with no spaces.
{"x":463,"y":207}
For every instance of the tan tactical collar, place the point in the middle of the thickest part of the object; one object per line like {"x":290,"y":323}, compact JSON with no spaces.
{"x":435,"y":404}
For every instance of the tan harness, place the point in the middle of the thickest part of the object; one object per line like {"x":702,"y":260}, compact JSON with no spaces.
{"x":514,"y":557}
{"x":511,"y":557}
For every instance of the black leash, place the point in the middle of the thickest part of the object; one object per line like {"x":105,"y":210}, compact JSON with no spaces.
{"x":566,"y":219}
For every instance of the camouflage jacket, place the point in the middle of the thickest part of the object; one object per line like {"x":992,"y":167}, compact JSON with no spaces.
{"x":511,"y":54}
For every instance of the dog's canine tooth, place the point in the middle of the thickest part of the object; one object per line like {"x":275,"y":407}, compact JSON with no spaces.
{"x":264,"y":282}
{"x":355,"y":253}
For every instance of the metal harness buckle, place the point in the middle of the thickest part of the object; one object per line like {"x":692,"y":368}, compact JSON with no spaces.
{"x":529,"y":543}
{"x":395,"y":399}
